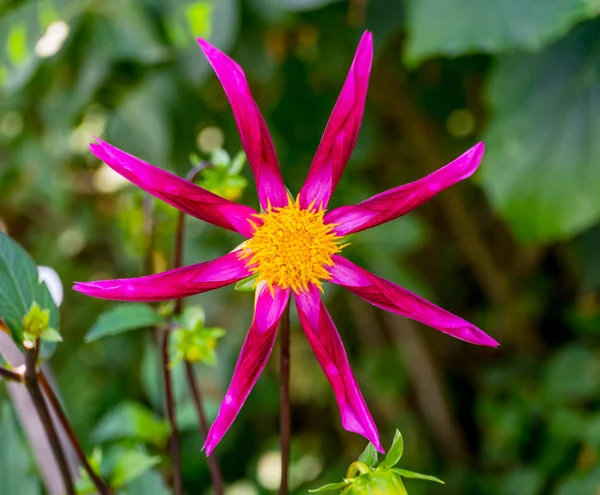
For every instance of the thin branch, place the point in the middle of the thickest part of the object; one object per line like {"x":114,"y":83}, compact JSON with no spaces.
{"x":31,"y":382}
{"x":213,"y":463}
{"x":286,"y":416}
{"x":170,"y":403}
{"x":100,"y":484}
{"x":180,"y":230}
{"x":148,"y":229}
{"x":12,"y":375}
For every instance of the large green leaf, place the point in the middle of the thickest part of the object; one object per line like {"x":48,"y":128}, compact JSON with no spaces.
{"x":131,"y":464}
{"x":123,"y":318}
{"x":148,"y":103}
{"x":455,"y":27}
{"x":541,"y":166}
{"x":15,"y":464}
{"x":214,"y":20}
{"x":20,"y":287}
{"x":132,"y":421}
{"x":149,"y":482}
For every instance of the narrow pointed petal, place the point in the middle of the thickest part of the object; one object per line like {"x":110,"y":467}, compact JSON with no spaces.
{"x":391,"y":297}
{"x":252,"y":127}
{"x":172,"y":284}
{"x":327,"y":345}
{"x":176,"y":191}
{"x":253,"y":357}
{"x":396,"y":202}
{"x":341,"y":131}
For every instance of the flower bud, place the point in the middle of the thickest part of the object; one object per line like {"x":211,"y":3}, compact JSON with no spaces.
{"x":377,"y":483}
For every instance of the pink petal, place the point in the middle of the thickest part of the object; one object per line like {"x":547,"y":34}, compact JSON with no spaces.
{"x":253,"y":357}
{"x":172,"y":284}
{"x":176,"y":191}
{"x":341,"y":131}
{"x":329,"y":351}
{"x":252,"y":127}
{"x":392,"y":297}
{"x":398,"y":201}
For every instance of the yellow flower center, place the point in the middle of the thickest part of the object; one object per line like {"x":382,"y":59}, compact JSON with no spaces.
{"x":292,"y":247}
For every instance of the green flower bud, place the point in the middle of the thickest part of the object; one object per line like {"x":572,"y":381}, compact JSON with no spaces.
{"x":377,"y":483}
{"x":368,"y":477}
{"x":36,"y":321}
{"x":36,"y":325}
{"x":192,"y":341}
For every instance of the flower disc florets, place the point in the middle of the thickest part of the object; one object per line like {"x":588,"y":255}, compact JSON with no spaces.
{"x":292,"y":247}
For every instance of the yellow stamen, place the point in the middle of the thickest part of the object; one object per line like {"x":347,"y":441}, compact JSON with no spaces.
{"x":292,"y":247}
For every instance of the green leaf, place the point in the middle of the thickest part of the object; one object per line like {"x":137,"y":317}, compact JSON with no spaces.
{"x":395,"y":453}
{"x":329,"y":487}
{"x":237,"y":163}
{"x":541,"y":166}
{"x":409,"y":474}
{"x":149,"y":483}
{"x":125,"y":31}
{"x":193,"y":317}
{"x":15,"y":463}
{"x":369,"y":455}
{"x":51,"y":335}
{"x":301,"y":5}
{"x":132,"y":421}
{"x":148,"y":103}
{"x":20,"y":287}
{"x":16,"y":48}
{"x":130,"y":465}
{"x":495,"y":27}
{"x":572,"y":374}
{"x":579,"y":483}
{"x":524,"y":481}
{"x":123,"y":318}
{"x":247,"y":284}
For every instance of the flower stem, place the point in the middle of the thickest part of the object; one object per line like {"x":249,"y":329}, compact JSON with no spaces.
{"x":286,"y":416}
{"x":100,"y":484}
{"x":170,"y":403}
{"x":33,"y":387}
{"x":213,"y":463}
{"x":180,"y":230}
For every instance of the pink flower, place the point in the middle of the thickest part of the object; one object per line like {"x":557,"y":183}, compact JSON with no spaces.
{"x":292,"y":246}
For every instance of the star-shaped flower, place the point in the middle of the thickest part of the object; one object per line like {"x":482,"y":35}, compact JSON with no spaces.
{"x":292,"y":246}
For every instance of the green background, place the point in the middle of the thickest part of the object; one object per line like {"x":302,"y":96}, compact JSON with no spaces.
{"x":514,"y":249}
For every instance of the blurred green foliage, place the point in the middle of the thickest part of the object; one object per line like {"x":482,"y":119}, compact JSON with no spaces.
{"x":515,"y":250}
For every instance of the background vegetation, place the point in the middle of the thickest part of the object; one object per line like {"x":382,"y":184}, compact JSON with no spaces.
{"x":515,"y":249}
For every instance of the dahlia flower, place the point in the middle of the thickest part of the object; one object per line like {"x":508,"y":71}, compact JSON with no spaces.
{"x":292,"y":245}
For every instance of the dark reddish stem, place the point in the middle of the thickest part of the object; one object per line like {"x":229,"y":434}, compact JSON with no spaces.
{"x":11,"y":374}
{"x":213,"y":463}
{"x":170,"y":402}
{"x":33,"y":387}
{"x":100,"y":484}
{"x":180,"y":231}
{"x":286,"y":413}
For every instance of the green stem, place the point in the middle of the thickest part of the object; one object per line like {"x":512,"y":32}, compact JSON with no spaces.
{"x":356,"y":468}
